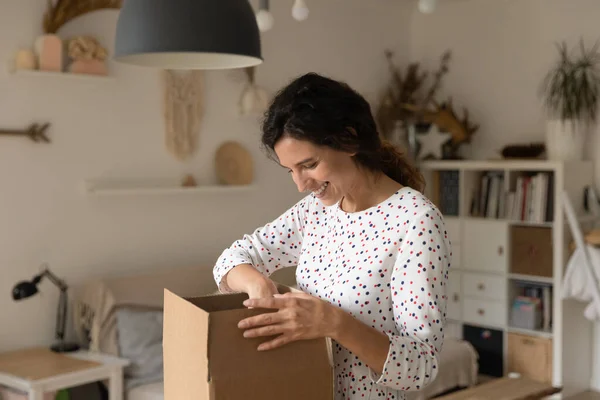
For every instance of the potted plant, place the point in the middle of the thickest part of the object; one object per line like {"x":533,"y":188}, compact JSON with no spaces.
{"x":570,"y":91}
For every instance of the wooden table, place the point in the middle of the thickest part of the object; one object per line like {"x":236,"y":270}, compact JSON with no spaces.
{"x":39,"y":370}
{"x":504,"y":389}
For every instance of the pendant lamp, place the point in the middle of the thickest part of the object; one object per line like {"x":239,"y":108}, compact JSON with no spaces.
{"x":188,"y":34}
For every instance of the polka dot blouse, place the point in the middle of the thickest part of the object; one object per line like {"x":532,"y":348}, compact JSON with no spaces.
{"x":387,"y":266}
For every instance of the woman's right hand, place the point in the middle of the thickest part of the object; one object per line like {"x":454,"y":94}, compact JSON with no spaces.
{"x":259,"y":290}
{"x":245,"y":278}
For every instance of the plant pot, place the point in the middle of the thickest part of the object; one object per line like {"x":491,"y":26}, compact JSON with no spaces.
{"x":565,"y":140}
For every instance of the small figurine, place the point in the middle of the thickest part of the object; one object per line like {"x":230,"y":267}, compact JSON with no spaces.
{"x":88,"y":56}
{"x":49,"y":50}
{"x":25,"y":59}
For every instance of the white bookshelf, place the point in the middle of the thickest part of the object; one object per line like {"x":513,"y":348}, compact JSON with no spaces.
{"x":483,"y":284}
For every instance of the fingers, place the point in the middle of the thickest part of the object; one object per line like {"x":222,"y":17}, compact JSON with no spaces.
{"x":265,"y":302}
{"x":292,"y":295}
{"x":270,"y":330}
{"x":273,"y":344}
{"x":268,"y":318}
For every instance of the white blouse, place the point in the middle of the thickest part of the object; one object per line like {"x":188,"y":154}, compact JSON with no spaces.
{"x":387,"y":266}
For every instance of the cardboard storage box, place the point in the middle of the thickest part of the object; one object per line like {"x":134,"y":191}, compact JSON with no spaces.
{"x":207,"y":357}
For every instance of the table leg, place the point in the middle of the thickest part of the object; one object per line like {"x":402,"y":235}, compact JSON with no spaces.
{"x":36,"y":394}
{"x":115,"y":390}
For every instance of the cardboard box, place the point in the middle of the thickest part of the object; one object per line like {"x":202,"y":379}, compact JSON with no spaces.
{"x":206,"y":356}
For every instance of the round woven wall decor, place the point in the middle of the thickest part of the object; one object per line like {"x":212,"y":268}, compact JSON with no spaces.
{"x":233,"y":164}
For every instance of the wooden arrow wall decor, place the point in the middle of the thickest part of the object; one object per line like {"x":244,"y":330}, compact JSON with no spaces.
{"x":35,"y":132}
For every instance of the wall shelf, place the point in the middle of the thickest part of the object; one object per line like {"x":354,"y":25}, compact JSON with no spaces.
{"x":61,"y":75}
{"x":156,"y":187}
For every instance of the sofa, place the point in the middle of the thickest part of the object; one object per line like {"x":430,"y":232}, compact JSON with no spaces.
{"x":122,"y":315}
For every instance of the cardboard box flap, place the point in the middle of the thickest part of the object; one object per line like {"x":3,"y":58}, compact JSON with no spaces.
{"x":219,"y":302}
{"x":185,"y":340}
{"x":231,"y":354}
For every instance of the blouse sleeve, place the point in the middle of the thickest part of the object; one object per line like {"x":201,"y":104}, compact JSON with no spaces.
{"x":271,"y":247}
{"x":418,"y":292}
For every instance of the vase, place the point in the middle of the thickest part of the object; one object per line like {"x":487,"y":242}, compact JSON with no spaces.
{"x":565,"y":140}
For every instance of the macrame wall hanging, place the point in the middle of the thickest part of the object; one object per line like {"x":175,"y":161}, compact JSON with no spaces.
{"x":183,"y":111}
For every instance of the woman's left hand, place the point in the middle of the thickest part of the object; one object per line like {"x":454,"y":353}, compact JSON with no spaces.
{"x":299,"y":316}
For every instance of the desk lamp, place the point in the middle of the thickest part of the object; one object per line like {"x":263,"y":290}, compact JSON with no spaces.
{"x":25,"y":289}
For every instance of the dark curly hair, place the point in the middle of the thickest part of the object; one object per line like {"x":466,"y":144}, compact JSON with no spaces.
{"x":330,"y":113}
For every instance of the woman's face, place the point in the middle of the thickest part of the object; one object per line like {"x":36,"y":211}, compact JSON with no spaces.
{"x":325,"y":172}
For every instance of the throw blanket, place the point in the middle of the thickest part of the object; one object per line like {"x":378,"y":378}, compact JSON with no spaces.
{"x":577,"y":284}
{"x":95,"y":303}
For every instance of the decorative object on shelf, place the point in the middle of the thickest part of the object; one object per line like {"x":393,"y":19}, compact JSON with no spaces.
{"x":183,"y":34}
{"x":406,"y":100}
{"x":406,"y":88}
{"x":524,"y":151}
{"x":49,"y":50}
{"x":300,"y":10}
{"x":25,"y":59}
{"x":431,"y":144}
{"x":25,"y":289}
{"x":189,"y":181}
{"x":35,"y":132}
{"x":233,"y":164}
{"x":446,"y":119}
{"x":254,"y":99}
{"x":571,"y":91}
{"x":59,"y":12}
{"x":88,"y":56}
{"x":405,"y":139}
{"x":183,"y":111}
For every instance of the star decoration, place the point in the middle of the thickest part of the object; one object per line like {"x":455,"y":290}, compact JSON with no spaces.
{"x":431,"y":143}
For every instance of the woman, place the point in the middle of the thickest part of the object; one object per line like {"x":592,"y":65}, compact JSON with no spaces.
{"x":371,"y":252}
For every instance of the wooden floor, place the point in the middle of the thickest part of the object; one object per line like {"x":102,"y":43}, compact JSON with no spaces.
{"x":585,"y":396}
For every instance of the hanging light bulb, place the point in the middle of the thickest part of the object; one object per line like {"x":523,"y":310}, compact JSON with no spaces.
{"x":264,"y":18}
{"x":300,"y":10}
{"x":427,"y":6}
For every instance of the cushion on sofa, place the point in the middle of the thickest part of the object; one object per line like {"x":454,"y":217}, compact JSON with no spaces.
{"x":140,"y":341}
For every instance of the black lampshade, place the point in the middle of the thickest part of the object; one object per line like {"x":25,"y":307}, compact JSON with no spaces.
{"x":23,"y":290}
{"x":188,"y":34}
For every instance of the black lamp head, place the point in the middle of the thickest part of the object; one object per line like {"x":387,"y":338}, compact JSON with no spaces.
{"x":24,"y":289}
{"x":188,"y":34}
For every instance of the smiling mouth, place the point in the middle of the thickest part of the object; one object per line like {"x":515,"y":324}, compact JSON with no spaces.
{"x":319,"y":192}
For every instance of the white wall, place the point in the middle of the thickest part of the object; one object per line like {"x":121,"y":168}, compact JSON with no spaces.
{"x":114,"y":128}
{"x":501,"y":51}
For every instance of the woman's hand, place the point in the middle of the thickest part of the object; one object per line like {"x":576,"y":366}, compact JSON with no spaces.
{"x":245,"y":278}
{"x":299,"y":316}
{"x":265,"y":288}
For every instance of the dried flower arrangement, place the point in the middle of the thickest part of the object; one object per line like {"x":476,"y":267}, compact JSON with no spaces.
{"x":59,"y":12}
{"x":407,"y":101}
{"x":406,"y":89}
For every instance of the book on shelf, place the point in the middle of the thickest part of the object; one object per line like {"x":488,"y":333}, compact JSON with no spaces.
{"x":449,"y":192}
{"x":539,"y":296}
{"x":531,"y":199}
